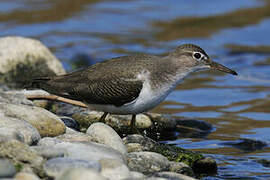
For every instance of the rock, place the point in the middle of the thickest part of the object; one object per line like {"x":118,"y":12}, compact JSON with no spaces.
{"x":71,"y":123}
{"x":49,"y":152}
{"x":146,"y":143}
{"x":134,"y":147}
{"x":74,"y":136}
{"x":173,"y":176}
{"x":264,"y":162}
{"x":181,"y":168}
{"x":26,"y":176}
{"x":147,"y":162}
{"x":48,"y":141}
{"x":114,"y":169}
{"x":18,"y":129}
{"x":118,"y":122}
{"x":90,"y":151}
{"x":177,"y":154}
{"x":19,"y":55}
{"x":44,"y":121}
{"x":104,"y":134}
{"x":7,"y":168}
{"x":247,"y":145}
{"x":56,"y":166}
{"x":21,"y":155}
{"x":137,"y":175}
{"x":81,"y":174}
{"x":14,"y":97}
{"x":206,"y":165}
{"x":163,"y":122}
{"x":193,"y":128}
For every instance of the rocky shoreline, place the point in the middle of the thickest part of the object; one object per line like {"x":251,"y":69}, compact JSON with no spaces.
{"x":50,"y":140}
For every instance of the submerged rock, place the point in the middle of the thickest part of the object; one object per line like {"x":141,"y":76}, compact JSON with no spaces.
{"x":20,"y":55}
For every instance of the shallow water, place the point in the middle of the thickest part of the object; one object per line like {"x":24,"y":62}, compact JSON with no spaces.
{"x":230,"y":31}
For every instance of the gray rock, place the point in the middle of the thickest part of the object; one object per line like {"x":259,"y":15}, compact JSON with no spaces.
{"x":49,"y":141}
{"x":49,"y":152}
{"x":181,"y":168}
{"x":74,"y":136}
{"x":137,"y":175}
{"x":147,"y":162}
{"x":163,"y":122}
{"x":104,"y":134}
{"x":173,"y":176}
{"x":90,"y":151}
{"x":56,"y":166}
{"x":70,"y":122}
{"x":134,"y":147}
{"x":22,"y":155}
{"x":81,"y":174}
{"x":146,"y":143}
{"x":26,"y":176}
{"x":19,"y":55}
{"x":7,"y":168}
{"x":18,"y":129}
{"x":118,"y":122}
{"x":44,"y":121}
{"x":114,"y":169}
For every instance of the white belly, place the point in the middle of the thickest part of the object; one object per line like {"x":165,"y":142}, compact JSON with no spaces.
{"x":147,"y":99}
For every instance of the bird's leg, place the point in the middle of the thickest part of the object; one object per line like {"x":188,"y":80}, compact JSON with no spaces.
{"x":102,"y":118}
{"x":133,"y":126}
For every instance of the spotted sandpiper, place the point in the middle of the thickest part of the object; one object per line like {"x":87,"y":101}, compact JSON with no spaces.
{"x":130,"y":84}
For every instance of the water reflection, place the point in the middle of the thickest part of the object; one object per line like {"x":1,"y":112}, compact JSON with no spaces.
{"x":233,"y":33}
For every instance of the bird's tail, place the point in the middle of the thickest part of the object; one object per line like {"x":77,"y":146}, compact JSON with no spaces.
{"x":37,"y":83}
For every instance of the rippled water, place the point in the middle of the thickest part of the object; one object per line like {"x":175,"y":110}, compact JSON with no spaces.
{"x":235,"y":33}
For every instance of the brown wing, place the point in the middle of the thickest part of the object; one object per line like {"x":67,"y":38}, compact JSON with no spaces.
{"x":107,"y":90}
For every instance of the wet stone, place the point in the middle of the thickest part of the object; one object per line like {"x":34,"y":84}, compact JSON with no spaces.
{"x":74,"y":136}
{"x":7,"y":168}
{"x":104,"y":134}
{"x":147,"y":162}
{"x":192,"y":127}
{"x":70,"y":122}
{"x":205,"y":165}
{"x":56,"y":166}
{"x":146,"y":143}
{"x":181,"y":168}
{"x":247,"y":145}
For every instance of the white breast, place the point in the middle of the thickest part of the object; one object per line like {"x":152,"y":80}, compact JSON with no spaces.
{"x":147,"y":99}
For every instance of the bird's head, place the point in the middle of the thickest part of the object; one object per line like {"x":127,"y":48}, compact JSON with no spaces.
{"x":195,"y":58}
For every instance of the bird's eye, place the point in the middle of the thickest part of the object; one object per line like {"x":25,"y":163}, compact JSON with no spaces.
{"x":197,"y":55}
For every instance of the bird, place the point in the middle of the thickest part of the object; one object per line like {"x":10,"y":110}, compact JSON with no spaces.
{"x":129,"y":85}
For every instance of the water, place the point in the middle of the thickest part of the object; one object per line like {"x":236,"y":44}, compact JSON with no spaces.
{"x":237,"y":107}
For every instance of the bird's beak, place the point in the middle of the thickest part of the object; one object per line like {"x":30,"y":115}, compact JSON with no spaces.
{"x":216,"y":66}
